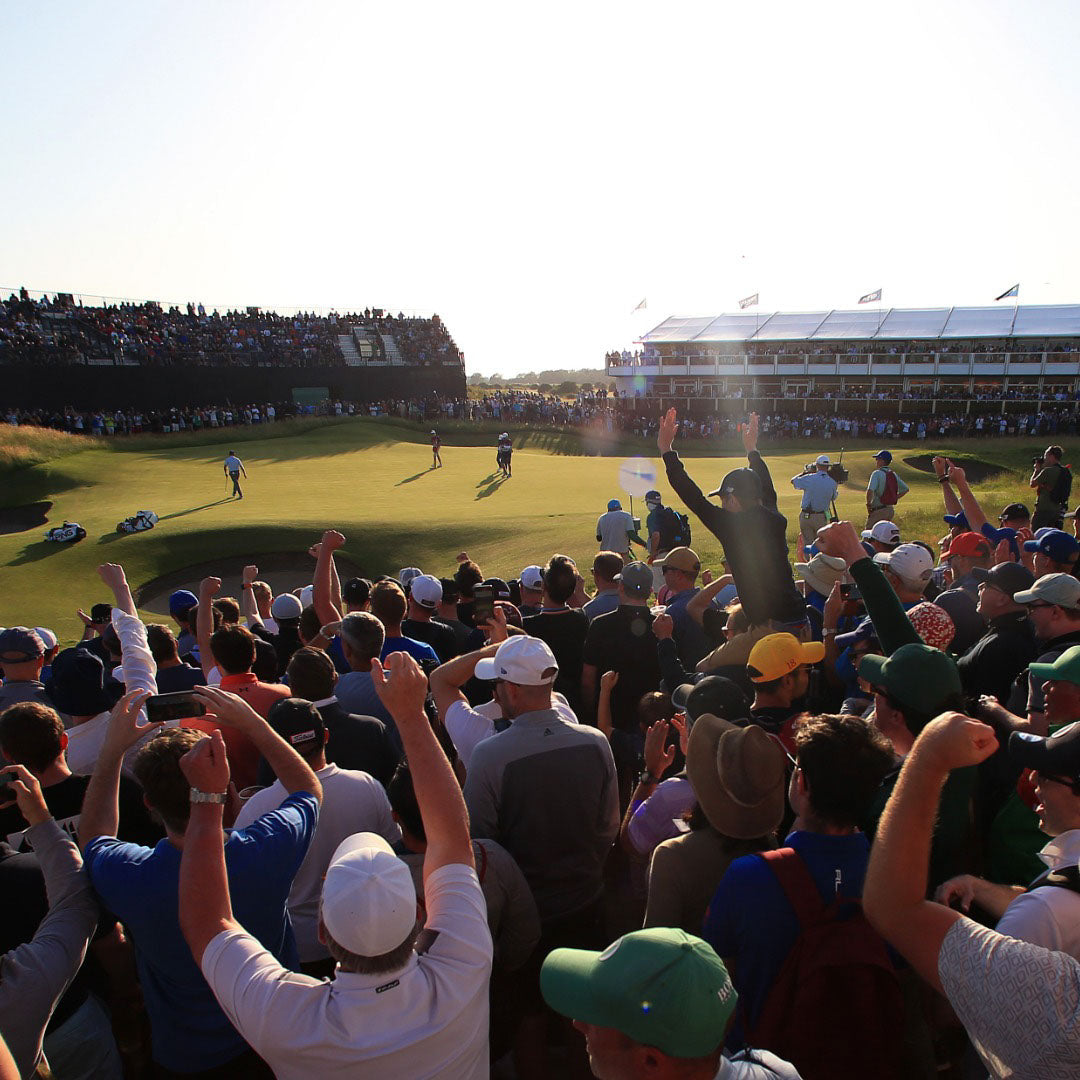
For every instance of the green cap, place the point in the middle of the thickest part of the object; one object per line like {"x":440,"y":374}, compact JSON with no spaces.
{"x":919,"y":677}
{"x":659,"y":987}
{"x":1066,"y":668}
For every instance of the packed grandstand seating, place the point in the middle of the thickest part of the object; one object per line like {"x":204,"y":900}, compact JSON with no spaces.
{"x":61,"y":330}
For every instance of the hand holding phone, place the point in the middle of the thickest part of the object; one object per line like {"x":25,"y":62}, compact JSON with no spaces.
{"x":161,"y":708}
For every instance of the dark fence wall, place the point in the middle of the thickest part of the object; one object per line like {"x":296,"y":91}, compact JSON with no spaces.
{"x":29,"y":386}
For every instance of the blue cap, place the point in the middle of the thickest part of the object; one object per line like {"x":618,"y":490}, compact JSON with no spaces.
{"x":614,"y":504}
{"x":883,"y":455}
{"x":863,"y":632}
{"x":995,"y":536}
{"x":182,"y":600}
{"x":1055,"y":544}
{"x":957,"y":519}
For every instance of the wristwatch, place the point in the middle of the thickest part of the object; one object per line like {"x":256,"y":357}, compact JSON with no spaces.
{"x":198,"y":796}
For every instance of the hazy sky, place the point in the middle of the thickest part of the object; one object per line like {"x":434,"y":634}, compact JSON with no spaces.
{"x":532,"y":172}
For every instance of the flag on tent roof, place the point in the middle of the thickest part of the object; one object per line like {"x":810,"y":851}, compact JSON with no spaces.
{"x":871,"y":297}
{"x":1014,"y":291}
{"x":749,"y":301}
{"x":640,"y":307}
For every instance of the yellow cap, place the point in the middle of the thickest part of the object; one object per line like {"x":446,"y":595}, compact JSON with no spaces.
{"x":777,"y":655}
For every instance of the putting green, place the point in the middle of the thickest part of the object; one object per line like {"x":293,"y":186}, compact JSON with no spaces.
{"x":372,"y":480}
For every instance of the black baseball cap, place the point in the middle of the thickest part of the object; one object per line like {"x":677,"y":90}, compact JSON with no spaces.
{"x":1009,"y":577}
{"x":1015,"y":512}
{"x":1056,"y":755}
{"x":742,"y":483}
{"x":299,"y":723}
{"x":356,"y":591}
{"x":712,"y":694}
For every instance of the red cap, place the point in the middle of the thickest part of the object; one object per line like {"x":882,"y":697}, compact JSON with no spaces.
{"x":968,"y":543}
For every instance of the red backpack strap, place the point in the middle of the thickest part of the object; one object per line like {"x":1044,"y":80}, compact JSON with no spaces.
{"x":798,"y":884}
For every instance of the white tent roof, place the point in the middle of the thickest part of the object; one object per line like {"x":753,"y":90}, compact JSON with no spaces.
{"x":1002,"y":321}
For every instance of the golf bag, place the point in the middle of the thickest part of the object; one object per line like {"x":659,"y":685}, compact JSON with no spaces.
{"x":69,"y":533}
{"x":140,"y":522}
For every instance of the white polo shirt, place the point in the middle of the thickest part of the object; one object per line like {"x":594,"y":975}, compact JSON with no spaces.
{"x":428,"y":1020}
{"x":352,"y":802}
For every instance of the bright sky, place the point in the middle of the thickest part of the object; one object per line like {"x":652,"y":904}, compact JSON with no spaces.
{"x":531,"y":173}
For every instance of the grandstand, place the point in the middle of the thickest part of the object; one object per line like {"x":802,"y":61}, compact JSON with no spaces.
{"x":127,"y":352}
{"x":892,"y":361}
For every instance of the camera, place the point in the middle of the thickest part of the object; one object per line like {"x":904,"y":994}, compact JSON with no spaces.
{"x":838,"y":473}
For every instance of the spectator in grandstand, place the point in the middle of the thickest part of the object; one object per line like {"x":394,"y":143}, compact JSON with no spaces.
{"x":616,"y":530}
{"x":691,"y":1005}
{"x":35,"y":973}
{"x":22,"y":658}
{"x":1016,"y":1000}
{"x":1053,"y":483}
{"x":883,"y":491}
{"x":818,"y":492}
{"x":751,"y":529}
{"x":430,"y":1015}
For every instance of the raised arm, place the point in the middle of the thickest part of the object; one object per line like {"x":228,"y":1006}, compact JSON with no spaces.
{"x":38,"y":972}
{"x":891,"y":624}
{"x":402,"y":688}
{"x":705,"y":596}
{"x":757,"y":462}
{"x":137,"y":663}
{"x":291,"y":769}
{"x":248,"y":607}
{"x":325,"y":576}
{"x":941,"y":470}
{"x":692,"y":496}
{"x":448,"y":679}
{"x":894,"y":896}
{"x":100,"y":810}
{"x":972,"y":510}
{"x":204,"y":622}
{"x":205,"y":908}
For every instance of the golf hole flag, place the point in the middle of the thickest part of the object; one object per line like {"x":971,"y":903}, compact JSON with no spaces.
{"x":871,"y":297}
{"x":749,"y":301}
{"x":1014,"y":291}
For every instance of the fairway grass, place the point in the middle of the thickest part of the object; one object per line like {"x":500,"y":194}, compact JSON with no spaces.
{"x":372,"y":480}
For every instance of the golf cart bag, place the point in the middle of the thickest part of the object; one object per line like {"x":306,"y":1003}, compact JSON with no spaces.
{"x":140,"y":522}
{"x":69,"y":533}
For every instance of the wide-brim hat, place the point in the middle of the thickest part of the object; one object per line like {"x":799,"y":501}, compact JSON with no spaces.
{"x":739,"y":775}
{"x":822,"y":572}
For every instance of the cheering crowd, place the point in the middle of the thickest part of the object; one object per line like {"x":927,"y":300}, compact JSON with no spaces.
{"x":819,"y":820}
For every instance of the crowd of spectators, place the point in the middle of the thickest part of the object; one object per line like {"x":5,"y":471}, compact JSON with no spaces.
{"x":62,"y":331}
{"x":759,"y":824}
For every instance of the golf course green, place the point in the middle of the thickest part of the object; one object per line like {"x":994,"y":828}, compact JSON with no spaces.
{"x":371,"y":478}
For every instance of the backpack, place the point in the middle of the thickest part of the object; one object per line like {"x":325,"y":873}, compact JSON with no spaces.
{"x":836,"y":1007}
{"x":1062,"y":488}
{"x":891,"y":492}
{"x":674,"y":529}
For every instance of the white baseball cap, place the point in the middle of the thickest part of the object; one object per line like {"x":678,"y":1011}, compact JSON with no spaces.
{"x":48,"y":638}
{"x":307,"y":595}
{"x":526,"y":661}
{"x":823,"y":459}
{"x":286,"y":606}
{"x":426,"y":591}
{"x":884,"y":532}
{"x":368,"y":896}
{"x":407,"y":573}
{"x":912,"y":563}
{"x":532,"y":577}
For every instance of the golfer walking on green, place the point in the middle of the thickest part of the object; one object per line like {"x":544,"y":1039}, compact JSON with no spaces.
{"x":234,"y":467}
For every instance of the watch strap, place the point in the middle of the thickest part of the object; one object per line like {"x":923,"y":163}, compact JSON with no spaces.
{"x":198,"y":796}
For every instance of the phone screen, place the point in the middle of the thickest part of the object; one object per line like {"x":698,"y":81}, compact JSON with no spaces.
{"x":483,"y":604}
{"x":164,"y":707}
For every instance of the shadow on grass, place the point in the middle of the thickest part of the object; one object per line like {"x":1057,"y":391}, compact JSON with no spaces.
{"x":36,"y":552}
{"x":496,"y":483}
{"x":415,"y":476}
{"x":194,"y":509}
